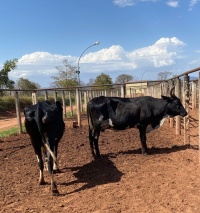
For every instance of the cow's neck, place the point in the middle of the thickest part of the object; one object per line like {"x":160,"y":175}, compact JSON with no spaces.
{"x":160,"y":108}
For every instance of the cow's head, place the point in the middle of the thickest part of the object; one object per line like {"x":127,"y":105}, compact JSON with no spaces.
{"x":52,"y":112}
{"x":174,"y":106}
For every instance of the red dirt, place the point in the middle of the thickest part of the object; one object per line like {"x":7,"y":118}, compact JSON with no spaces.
{"x":123,"y":180}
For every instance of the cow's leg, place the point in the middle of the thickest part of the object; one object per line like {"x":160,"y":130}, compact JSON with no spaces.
{"x":96,"y":145}
{"x":96,"y":141}
{"x":55,"y":165}
{"x":50,"y":170}
{"x":91,"y":139}
{"x":36,"y":143}
{"x":38,"y":152}
{"x":94,"y":137}
{"x":41,"y":167}
{"x":51,"y":143}
{"x":142,"y":130}
{"x":45,"y":158}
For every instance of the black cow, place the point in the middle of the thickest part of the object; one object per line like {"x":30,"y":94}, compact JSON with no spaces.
{"x":45,"y":126}
{"x":145,"y":113}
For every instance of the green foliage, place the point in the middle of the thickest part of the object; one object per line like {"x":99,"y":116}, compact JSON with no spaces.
{"x":103,"y":79}
{"x":66,"y":76}
{"x":5,"y":82}
{"x":11,"y":131}
{"x":7,"y":103}
{"x":25,"y":84}
{"x":123,"y":78}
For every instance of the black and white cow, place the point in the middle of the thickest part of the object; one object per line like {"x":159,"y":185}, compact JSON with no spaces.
{"x":145,"y":113}
{"x":45,"y":126}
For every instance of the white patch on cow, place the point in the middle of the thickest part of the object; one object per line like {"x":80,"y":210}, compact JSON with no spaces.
{"x":96,"y":137}
{"x":162,"y":121}
{"x":150,"y":128}
{"x":41,"y":178}
{"x":37,"y":158}
{"x":55,"y":165}
{"x":101,"y":118}
{"x":46,"y":166}
{"x":110,"y":122}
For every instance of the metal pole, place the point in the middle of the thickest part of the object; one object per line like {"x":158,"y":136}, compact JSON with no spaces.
{"x":78,"y":92}
{"x":78,"y":71}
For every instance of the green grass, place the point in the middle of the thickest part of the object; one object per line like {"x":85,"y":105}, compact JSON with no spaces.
{"x":11,"y":131}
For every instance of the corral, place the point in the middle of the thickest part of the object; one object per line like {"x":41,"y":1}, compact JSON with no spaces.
{"x":167,"y":180}
{"x":123,"y":180}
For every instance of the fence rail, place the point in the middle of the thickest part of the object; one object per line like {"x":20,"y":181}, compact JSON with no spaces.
{"x":187,"y":90}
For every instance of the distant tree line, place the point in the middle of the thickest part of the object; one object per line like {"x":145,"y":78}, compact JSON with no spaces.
{"x":65,"y":77}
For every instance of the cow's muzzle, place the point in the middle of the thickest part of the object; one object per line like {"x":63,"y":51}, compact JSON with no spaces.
{"x":183,"y":114}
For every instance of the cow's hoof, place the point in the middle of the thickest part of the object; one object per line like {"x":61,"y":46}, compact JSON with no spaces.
{"x":42,"y":183}
{"x":55,"y":192}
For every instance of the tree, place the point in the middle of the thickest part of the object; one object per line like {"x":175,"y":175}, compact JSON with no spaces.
{"x":103,"y":79}
{"x":25,"y":84}
{"x":123,"y":78}
{"x":5,"y":82}
{"x":164,"y":75}
{"x":66,"y":75}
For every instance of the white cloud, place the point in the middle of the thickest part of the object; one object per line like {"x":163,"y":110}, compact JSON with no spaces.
{"x":172,"y":3}
{"x":124,"y":3}
{"x":192,"y":3}
{"x":40,"y":66}
{"x":40,"y":57}
{"x":163,"y":53}
{"x":127,"y":3}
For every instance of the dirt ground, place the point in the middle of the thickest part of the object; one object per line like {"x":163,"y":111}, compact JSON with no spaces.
{"x":123,"y":180}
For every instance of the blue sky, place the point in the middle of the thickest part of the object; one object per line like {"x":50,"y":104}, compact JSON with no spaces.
{"x":137,"y":37}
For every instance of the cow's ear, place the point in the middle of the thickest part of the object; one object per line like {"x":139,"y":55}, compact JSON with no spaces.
{"x":58,"y":104}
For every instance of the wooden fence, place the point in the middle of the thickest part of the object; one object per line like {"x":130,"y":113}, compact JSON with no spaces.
{"x":187,"y":90}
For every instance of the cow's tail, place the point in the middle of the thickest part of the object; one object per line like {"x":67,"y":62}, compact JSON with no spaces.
{"x":39,"y":114}
{"x":51,"y":153}
{"x":90,"y":123}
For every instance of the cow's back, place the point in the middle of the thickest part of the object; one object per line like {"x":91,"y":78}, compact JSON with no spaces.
{"x":43,"y":117}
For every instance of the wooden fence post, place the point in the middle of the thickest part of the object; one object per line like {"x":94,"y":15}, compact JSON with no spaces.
{"x":64,"y":106}
{"x":85,"y":100}
{"x":17,"y":105}
{"x":194,"y":95}
{"x":186,"y":101}
{"x":123,"y":94}
{"x":55,"y":96}
{"x":34,"y":98}
{"x":46,"y":95}
{"x":178,"y":94}
{"x":171,"y":84}
{"x":78,"y":107}
{"x":199,"y":111}
{"x":70,"y":104}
